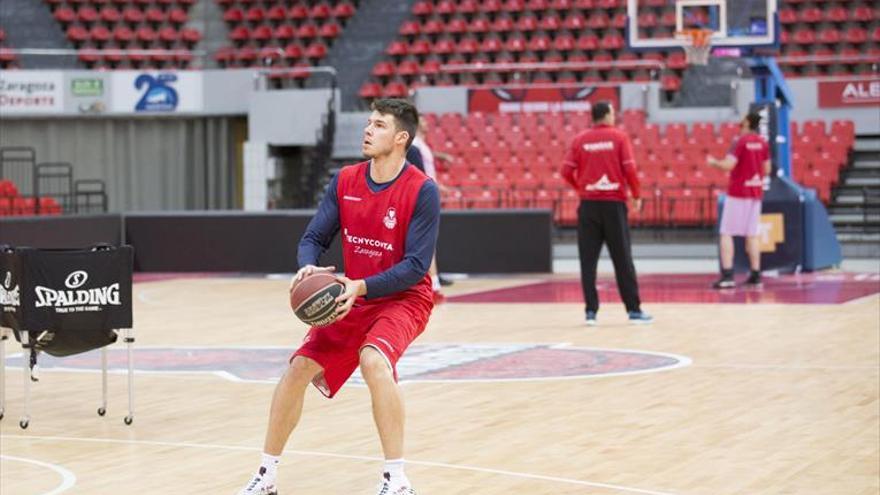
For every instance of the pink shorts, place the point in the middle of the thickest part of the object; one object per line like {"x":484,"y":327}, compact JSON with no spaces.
{"x":741,"y":216}
{"x":389,"y":327}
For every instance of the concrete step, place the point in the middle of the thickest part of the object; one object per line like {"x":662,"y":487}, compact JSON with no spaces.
{"x":867,"y":144}
{"x":866,"y":165}
{"x":861,"y":181}
{"x":854,"y":218}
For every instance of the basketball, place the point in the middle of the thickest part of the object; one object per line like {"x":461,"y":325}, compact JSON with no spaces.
{"x":313,"y":299}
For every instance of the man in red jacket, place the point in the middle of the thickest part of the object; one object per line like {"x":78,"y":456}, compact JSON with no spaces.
{"x":748,"y":161}
{"x":600,"y":166}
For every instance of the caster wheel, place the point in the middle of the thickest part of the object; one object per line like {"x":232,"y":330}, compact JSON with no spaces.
{"x":24,"y":424}
{"x":1,"y":414}
{"x":101,"y":411}
{"x":128,"y":420}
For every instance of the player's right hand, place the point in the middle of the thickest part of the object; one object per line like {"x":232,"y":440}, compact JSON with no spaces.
{"x":308,"y":270}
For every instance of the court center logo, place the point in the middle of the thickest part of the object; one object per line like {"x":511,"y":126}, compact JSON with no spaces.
{"x":422,"y":362}
{"x":390,"y":219}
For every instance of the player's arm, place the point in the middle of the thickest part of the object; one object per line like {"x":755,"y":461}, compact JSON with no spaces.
{"x":768,"y":166}
{"x":628,"y":163}
{"x":318,"y":235}
{"x":727,"y":163}
{"x":421,"y":241}
{"x":570,"y":164}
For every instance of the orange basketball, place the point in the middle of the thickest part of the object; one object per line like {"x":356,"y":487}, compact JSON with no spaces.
{"x":313,"y":299}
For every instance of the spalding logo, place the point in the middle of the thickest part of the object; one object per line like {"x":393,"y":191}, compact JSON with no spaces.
{"x":76,"y":279}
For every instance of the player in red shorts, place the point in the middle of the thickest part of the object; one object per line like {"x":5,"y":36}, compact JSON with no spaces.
{"x":389,"y":213}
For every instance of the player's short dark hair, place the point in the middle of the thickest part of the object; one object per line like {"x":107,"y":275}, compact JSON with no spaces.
{"x":754,"y":120}
{"x":406,"y":117}
{"x":600,"y":110}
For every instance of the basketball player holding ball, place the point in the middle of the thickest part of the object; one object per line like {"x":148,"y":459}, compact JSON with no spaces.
{"x":389,"y":213}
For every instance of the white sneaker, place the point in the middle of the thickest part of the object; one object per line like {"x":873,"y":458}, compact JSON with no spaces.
{"x":388,"y":487}
{"x":256,"y":486}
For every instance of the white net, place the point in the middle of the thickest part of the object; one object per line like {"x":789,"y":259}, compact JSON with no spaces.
{"x":698,"y":45}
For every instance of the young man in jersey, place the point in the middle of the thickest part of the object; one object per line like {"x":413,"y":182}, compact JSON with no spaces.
{"x":600,"y":166}
{"x":388,"y":213}
{"x":748,"y":161}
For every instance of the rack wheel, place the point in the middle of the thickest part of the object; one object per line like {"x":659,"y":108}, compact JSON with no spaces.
{"x":101,"y":411}
{"x":1,"y":413}
{"x":129,"y":419}
{"x":24,"y":424}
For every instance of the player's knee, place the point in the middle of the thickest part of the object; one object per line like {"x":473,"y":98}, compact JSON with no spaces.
{"x":373,"y":365}
{"x":302,"y":369}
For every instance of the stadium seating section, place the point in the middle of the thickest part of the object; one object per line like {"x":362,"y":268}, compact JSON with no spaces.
{"x":281,"y":34}
{"x":450,"y":32}
{"x":12,"y":204}
{"x":129,"y":25}
{"x":513,"y":161}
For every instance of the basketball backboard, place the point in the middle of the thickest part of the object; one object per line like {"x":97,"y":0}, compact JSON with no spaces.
{"x":654,"y":24}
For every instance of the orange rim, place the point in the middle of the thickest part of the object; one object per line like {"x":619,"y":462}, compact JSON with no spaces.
{"x":698,"y":37}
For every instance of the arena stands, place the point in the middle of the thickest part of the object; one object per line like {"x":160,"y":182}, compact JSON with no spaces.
{"x":452,"y":32}
{"x":276,"y":33}
{"x":513,"y":160}
{"x":117,"y":25}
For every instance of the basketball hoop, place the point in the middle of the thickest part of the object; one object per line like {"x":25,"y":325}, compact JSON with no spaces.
{"x":697,"y":45}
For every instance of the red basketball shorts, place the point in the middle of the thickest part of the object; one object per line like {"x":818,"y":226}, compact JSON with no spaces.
{"x":389,"y":326}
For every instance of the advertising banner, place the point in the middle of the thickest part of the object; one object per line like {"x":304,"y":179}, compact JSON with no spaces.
{"x":157,"y":92}
{"x":573,"y":98}
{"x":31,"y":91}
{"x":856,"y":92}
{"x":87,"y":92}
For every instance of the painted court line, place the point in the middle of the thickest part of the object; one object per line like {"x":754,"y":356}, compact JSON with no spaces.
{"x":512,"y":474}
{"x":68,"y":479}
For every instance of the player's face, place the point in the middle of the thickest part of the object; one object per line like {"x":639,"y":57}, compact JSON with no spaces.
{"x":611,"y":115}
{"x":381,"y":135}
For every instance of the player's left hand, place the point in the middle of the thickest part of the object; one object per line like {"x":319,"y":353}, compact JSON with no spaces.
{"x":637,"y":204}
{"x":353,"y":289}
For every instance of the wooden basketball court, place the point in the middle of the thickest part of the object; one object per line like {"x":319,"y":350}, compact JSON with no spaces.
{"x":753,"y":397}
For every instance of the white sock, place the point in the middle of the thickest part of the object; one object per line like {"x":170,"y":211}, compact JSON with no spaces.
{"x":394,"y":467}
{"x":269,"y":468}
{"x":435,"y":283}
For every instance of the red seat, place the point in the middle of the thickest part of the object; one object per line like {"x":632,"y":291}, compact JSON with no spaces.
{"x":77,"y":34}
{"x":100,"y":34}
{"x":132,"y":16}
{"x":343,"y":10}
{"x":277,"y":14}
{"x":316,"y":50}
{"x":64,"y":15}
{"x":233,"y":15}
{"x":178,"y":17}
{"x":87,"y":14}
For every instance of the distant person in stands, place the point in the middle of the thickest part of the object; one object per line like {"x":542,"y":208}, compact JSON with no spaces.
{"x":748,"y":161}
{"x":427,"y":164}
{"x":600,"y":167}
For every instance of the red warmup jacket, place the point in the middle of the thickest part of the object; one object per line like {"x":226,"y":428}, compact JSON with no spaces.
{"x":600,"y":165}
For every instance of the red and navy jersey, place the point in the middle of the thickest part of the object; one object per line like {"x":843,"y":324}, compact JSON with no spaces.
{"x":747,"y":177}
{"x":388,"y":231}
{"x":600,"y":165}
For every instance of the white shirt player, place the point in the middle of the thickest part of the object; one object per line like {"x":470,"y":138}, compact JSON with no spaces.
{"x":427,"y":157}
